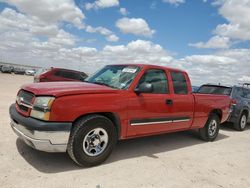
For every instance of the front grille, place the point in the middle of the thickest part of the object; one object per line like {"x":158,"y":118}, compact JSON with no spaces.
{"x":24,"y":100}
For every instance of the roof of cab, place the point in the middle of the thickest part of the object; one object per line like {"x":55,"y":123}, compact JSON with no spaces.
{"x":152,"y":66}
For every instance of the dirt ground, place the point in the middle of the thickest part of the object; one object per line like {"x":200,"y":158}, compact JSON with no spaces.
{"x":170,"y":160}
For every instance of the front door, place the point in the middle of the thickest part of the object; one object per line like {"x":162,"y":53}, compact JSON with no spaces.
{"x":150,"y":112}
{"x":168,"y":107}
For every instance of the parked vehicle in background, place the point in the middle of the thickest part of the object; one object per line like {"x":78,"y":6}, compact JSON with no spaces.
{"x":195,"y":88}
{"x":59,"y":74}
{"x":240,"y":111}
{"x":214,"y":89}
{"x":6,"y":69}
{"x":30,"y":72}
{"x":18,"y":70}
{"x":118,"y":102}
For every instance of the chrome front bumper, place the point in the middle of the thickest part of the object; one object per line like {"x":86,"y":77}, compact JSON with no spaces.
{"x":41,"y":140}
{"x":40,"y":135}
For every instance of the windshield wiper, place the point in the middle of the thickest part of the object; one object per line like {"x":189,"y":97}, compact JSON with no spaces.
{"x":101,"y":83}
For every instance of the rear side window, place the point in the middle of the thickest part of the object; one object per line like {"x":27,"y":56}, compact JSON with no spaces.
{"x":246,"y":93}
{"x":69,"y":75}
{"x":179,"y":83}
{"x":58,"y":73}
{"x":238,"y":92}
{"x":241,"y":92}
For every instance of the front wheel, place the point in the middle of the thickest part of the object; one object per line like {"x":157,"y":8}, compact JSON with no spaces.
{"x":92,"y":140}
{"x":211,"y":129}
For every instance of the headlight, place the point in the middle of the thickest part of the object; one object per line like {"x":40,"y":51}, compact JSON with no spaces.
{"x":41,"y":108}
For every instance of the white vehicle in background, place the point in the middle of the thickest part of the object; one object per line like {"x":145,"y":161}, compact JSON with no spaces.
{"x":30,"y":72}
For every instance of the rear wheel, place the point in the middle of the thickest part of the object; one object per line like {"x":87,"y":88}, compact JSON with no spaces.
{"x":241,"y":124}
{"x":92,"y":140}
{"x":211,"y":129}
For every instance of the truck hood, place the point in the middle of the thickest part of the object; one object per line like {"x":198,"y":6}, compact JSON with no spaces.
{"x":66,"y":88}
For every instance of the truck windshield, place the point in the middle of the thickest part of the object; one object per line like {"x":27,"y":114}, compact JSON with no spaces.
{"x":217,"y":90}
{"x":115,"y":76}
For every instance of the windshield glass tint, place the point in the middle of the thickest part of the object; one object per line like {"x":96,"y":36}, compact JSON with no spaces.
{"x":115,"y":76}
{"x":218,"y":90}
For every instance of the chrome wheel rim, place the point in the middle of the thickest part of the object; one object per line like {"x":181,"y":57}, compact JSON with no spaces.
{"x":243,"y":121}
{"x":95,"y":142}
{"x":212,"y":127}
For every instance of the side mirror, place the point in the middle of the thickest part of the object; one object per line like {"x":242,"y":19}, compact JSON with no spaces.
{"x":144,"y":88}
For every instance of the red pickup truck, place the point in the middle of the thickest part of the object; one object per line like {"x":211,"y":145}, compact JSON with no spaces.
{"x":118,"y":102}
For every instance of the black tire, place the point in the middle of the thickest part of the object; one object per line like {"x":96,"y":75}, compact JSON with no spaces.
{"x":211,"y":129}
{"x":83,"y":128}
{"x":241,"y":124}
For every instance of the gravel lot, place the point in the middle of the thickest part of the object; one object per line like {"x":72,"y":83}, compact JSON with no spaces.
{"x":170,"y":160}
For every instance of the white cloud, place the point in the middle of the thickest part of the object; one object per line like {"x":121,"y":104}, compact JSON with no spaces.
{"x":244,"y":79}
{"x":110,"y":36}
{"x":20,"y":33}
{"x":101,"y":30}
{"x":10,"y":20}
{"x":210,"y":60}
{"x":51,"y":11}
{"x":216,"y":42}
{"x":224,"y":67}
{"x":123,"y":11}
{"x":136,"y":26}
{"x":237,"y":14}
{"x":63,"y":38}
{"x":14,"y":22}
{"x":137,"y":47}
{"x":174,"y":2}
{"x":100,"y":4}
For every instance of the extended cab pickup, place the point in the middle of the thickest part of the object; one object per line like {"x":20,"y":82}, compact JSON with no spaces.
{"x":118,"y":102}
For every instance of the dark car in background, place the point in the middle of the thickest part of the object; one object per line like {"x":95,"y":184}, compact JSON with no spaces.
{"x":18,"y":70}
{"x":6,"y":69}
{"x":240,"y":110}
{"x":59,"y":74}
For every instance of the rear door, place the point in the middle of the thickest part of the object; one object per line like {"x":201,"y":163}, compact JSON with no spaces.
{"x":183,"y":100}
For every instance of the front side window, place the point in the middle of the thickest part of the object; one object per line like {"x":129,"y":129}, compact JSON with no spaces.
{"x":115,"y":76}
{"x":179,"y":83}
{"x":246,"y":93}
{"x":158,"y":80}
{"x":238,"y":92}
{"x":70,"y":75}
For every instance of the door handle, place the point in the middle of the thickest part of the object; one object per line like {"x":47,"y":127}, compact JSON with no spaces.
{"x":169,"y":102}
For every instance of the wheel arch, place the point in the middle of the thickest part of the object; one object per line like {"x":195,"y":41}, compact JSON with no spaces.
{"x":245,"y":111}
{"x":110,"y":115}
{"x":218,"y":112}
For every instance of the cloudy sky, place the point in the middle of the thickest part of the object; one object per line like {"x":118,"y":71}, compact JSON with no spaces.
{"x":210,"y":39}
